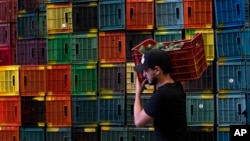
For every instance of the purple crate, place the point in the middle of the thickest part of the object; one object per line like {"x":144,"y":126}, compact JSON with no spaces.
{"x":8,"y":34}
{"x":31,"y":52}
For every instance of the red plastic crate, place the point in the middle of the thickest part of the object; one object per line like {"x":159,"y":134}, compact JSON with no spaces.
{"x":9,"y":133}
{"x":10,"y":111}
{"x":5,"y":56}
{"x":140,"y":15}
{"x":188,"y":63}
{"x":58,"y":79}
{"x":8,"y":11}
{"x":8,"y":34}
{"x":198,"y":13}
{"x":112,"y":47}
{"x":58,"y":111}
{"x":33,"y":80}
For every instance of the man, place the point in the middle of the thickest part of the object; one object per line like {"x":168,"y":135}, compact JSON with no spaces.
{"x":167,"y":105}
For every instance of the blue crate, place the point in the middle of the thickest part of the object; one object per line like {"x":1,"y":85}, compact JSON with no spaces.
{"x":111,"y":110}
{"x":231,"y":76}
{"x":231,"y":42}
{"x":247,"y":41}
{"x":223,"y":133}
{"x":140,"y":134}
{"x":58,"y":134}
{"x":169,"y":14}
{"x":248,"y":108}
{"x":167,"y":35}
{"x":231,"y":109}
{"x":28,"y":6}
{"x":200,"y":109}
{"x":32,"y":134}
{"x":111,"y":15}
{"x":229,"y":13}
{"x":109,"y":133}
{"x":247,"y":13}
{"x":84,"y":111}
{"x":248,"y":75}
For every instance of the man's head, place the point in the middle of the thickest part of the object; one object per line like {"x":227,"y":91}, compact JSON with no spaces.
{"x":154,"y":63}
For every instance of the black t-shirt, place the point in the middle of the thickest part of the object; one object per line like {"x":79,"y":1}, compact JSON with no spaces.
{"x":168,"y":108}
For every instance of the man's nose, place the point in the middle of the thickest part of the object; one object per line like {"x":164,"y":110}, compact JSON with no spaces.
{"x":144,"y":74}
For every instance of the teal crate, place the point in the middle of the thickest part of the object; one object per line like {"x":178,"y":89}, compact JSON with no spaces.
{"x":59,"y":48}
{"x":248,"y":108}
{"x":58,"y":134}
{"x":223,"y":133}
{"x":167,"y":35}
{"x":85,"y":111}
{"x":84,"y":134}
{"x":32,"y":134}
{"x":109,"y":133}
{"x":200,"y":109}
{"x":130,"y":99}
{"x":231,"y":76}
{"x":231,"y":109}
{"x":84,"y":79}
{"x":84,"y":48}
{"x":169,"y":14}
{"x":111,"y":15}
{"x":111,"y":110}
{"x":140,"y":134}
{"x":248,"y":75}
{"x":247,"y":13}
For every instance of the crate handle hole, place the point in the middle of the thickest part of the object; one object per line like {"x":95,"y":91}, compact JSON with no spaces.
{"x":239,"y":109}
{"x":65,"y":111}
{"x":132,"y":77}
{"x":119,"y":46}
{"x":25,"y":80}
{"x":131,"y":13}
{"x":118,"y":77}
{"x":119,"y":109}
{"x":189,"y":12}
{"x":177,"y":13}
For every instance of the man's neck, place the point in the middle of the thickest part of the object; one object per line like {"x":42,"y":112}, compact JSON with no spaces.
{"x":164,"y":79}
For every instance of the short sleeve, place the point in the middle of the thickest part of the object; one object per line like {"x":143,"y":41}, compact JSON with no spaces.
{"x":152,"y":107}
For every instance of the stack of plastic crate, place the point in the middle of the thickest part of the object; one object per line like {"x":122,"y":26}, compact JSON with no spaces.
{"x":8,"y":11}
{"x":232,"y":49}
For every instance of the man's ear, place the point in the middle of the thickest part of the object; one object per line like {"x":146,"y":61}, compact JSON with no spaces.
{"x":157,"y":69}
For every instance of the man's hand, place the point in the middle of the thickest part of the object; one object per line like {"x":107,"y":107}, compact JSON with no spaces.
{"x":140,"y":86}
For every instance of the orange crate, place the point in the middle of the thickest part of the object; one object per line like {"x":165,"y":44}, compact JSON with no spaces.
{"x":9,"y":133}
{"x":140,"y":15}
{"x":58,"y":111}
{"x":112,"y":47}
{"x":10,"y":111}
{"x":188,"y":63}
{"x":33,"y":80}
{"x":198,"y":13}
{"x":58,"y":79}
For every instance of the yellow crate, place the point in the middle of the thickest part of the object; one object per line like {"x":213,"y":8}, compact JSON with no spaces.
{"x":59,"y":18}
{"x":208,"y":39}
{"x":9,"y":80}
{"x":131,"y":80}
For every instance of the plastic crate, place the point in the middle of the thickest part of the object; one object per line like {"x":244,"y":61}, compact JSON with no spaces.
{"x":169,"y":14}
{"x":223,"y":133}
{"x":8,"y":34}
{"x":200,"y":109}
{"x":29,"y":6}
{"x":6,"y":56}
{"x":32,"y":134}
{"x":231,"y":42}
{"x":201,"y":133}
{"x":247,"y":76}
{"x":131,"y":80}
{"x":9,"y":133}
{"x":7,"y":16}
{"x":111,"y":110}
{"x":188,"y":63}
{"x":167,"y":35}
{"x":58,"y":111}
{"x":130,"y":99}
{"x":31,"y":52}
{"x":84,"y":111}
{"x":109,"y":133}
{"x":84,"y":48}
{"x":111,"y":78}
{"x":58,"y":134}
{"x":231,"y":109}
{"x":58,"y":79}
{"x":9,"y":84}
{"x":247,"y":40}
{"x":85,"y":17}
{"x":59,"y":49}
{"x":133,"y":38}
{"x":229,"y":13}
{"x":208,"y":39}
{"x":84,"y":134}
{"x":59,"y":18}
{"x":198,"y":13}
{"x":10,"y":109}
{"x":33,"y":111}
{"x":231,"y":76}
{"x":32,"y":25}
{"x":56,"y":1}
{"x":205,"y":84}
{"x":247,"y":13}
{"x":112,"y":47}
{"x":248,"y":107}
{"x":111,"y":15}
{"x":140,"y":134}
{"x":135,"y":10}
